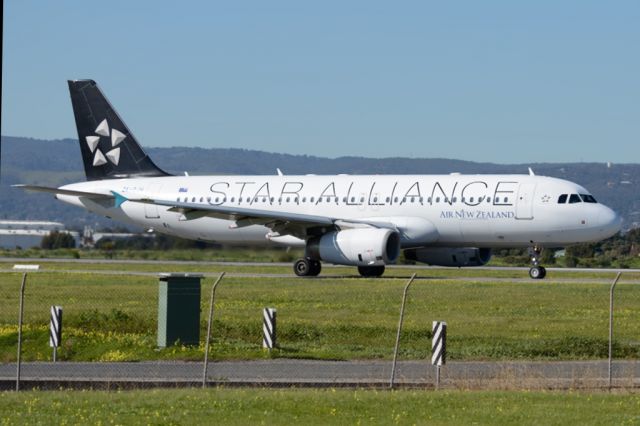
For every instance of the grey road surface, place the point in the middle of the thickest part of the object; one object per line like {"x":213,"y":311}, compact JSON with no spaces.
{"x":286,"y":264}
{"x":506,"y":375}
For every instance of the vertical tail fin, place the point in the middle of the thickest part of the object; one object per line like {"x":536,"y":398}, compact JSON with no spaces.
{"x":109,"y":149}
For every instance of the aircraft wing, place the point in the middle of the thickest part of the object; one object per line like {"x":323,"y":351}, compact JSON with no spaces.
{"x":280,"y":222}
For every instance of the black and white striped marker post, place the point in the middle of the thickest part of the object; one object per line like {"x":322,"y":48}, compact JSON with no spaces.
{"x":439,"y":347}
{"x":55,"y":330}
{"x":269,"y":328}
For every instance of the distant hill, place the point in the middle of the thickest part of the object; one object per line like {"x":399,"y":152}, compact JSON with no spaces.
{"x":56,"y":162}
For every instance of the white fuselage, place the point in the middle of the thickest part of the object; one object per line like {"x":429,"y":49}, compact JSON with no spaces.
{"x":431,"y":210}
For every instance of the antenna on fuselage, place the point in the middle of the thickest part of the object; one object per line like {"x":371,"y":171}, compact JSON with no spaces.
{"x":279,"y":172}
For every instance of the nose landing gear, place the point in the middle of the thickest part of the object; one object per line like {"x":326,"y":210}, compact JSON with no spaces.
{"x":536,"y":272}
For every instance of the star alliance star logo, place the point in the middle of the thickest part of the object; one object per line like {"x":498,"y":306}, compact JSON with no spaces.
{"x":113,"y":155}
{"x":545,"y":198}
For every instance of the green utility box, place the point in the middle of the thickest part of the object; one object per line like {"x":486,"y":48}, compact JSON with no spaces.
{"x":179,"y":309}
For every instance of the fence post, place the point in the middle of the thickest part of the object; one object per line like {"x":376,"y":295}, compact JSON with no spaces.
{"x":439,"y":347}
{"x":269,"y":328}
{"x":613,"y":285}
{"x":19,"y":360}
{"x":206,"y":346}
{"x":395,"y":351}
{"x":55,"y":330}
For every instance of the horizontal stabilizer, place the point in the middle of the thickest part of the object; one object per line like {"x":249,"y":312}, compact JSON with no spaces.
{"x":92,"y":195}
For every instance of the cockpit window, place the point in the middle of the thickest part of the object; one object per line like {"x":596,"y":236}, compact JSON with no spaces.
{"x":562,"y":199}
{"x":574,"y":198}
{"x":588,"y":198}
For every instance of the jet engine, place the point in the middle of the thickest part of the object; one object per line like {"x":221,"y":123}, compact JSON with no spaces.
{"x":359,"y":246}
{"x":467,"y":256}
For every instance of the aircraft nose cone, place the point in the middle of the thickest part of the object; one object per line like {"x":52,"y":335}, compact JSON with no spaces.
{"x":610,"y":222}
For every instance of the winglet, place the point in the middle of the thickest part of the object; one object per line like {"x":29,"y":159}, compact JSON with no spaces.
{"x":531,"y":172}
{"x":119,"y":199}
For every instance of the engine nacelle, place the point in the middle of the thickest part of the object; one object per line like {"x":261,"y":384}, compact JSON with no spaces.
{"x":442,"y":256}
{"x":359,"y":247}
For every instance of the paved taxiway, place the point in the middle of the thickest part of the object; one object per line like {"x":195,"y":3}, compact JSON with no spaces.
{"x":561,"y":374}
{"x":329,"y":271}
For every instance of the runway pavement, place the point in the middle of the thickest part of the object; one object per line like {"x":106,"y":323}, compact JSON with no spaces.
{"x":13,"y":260}
{"x":292,"y":372}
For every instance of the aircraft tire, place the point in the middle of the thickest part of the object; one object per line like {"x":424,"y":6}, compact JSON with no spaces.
{"x":303,"y":267}
{"x":544,"y":272}
{"x":371,"y":271}
{"x":316,"y":267}
{"x":537,"y":272}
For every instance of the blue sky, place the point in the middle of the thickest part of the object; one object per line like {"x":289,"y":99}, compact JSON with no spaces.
{"x":501,"y":81}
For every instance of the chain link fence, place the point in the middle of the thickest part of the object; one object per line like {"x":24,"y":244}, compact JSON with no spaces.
{"x":331,"y":331}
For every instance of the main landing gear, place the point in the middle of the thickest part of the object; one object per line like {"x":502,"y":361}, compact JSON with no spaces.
{"x":536,"y":272}
{"x":307,"y":267}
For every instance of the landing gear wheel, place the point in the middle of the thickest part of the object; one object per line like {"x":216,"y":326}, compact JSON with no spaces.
{"x":307,"y":267}
{"x":371,"y":271}
{"x":302,"y":267}
{"x":537,"y":272}
{"x":316,"y":267}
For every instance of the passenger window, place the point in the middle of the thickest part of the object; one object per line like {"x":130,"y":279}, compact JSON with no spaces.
{"x":437,"y":199}
{"x":562,"y":199}
{"x":574,"y":198}
{"x":311,"y":199}
{"x":470,"y":200}
{"x":454,"y":199}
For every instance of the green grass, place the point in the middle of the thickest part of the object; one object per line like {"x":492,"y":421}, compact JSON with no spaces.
{"x":113,"y":318}
{"x":208,"y":255}
{"x":307,"y":406}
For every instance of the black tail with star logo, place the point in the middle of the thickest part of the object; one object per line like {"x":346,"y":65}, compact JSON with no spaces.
{"x":109,"y":149}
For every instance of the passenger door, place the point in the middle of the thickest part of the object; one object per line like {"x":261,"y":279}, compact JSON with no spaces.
{"x":524,"y":201}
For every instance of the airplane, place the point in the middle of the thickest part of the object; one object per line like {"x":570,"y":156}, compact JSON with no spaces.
{"x":356,"y":220}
